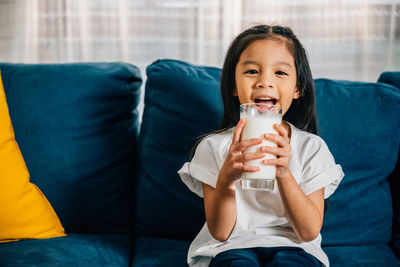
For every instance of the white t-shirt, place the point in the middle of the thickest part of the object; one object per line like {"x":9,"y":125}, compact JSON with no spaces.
{"x":261,"y":220}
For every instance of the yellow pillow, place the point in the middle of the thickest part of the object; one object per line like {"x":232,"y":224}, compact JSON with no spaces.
{"x":25,"y":212}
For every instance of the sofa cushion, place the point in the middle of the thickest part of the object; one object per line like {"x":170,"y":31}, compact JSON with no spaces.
{"x":359,"y":122}
{"x":367,"y":255}
{"x":393,"y":78}
{"x":155,"y":251}
{"x":24,"y":210}
{"x":76,"y":125}
{"x":182,"y":102}
{"x":72,"y":250}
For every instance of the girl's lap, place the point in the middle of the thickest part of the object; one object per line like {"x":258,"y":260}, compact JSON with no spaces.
{"x":268,"y":257}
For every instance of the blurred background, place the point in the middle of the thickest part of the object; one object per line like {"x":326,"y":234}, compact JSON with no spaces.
{"x":345,"y":39}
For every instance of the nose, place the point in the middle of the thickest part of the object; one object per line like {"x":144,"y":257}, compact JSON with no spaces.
{"x":264,"y":82}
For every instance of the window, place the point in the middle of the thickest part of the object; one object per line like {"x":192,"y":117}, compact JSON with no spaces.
{"x":354,"y":40}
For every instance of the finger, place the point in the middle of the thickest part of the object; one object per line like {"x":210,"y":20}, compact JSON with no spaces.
{"x":276,"y":162}
{"x":282,"y":131}
{"x":250,"y":168}
{"x":244,"y":157}
{"x":279,"y":140}
{"x":238,"y":131}
{"x":245,"y":168}
{"x":278,"y":151}
{"x":252,"y":156}
{"x":250,"y":142}
{"x":243,"y":145}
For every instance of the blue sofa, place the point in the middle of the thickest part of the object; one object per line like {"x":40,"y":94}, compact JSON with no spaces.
{"x":113,"y":181}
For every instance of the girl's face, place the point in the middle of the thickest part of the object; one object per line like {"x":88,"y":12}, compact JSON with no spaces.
{"x":266,"y":73}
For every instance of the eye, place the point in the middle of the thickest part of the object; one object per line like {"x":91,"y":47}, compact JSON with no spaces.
{"x":251,"y":72}
{"x":279,"y":72}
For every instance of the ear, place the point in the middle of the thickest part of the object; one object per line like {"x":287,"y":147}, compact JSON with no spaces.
{"x":297,"y":93}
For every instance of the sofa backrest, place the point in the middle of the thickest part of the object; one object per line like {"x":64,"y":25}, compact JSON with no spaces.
{"x":77,"y":126}
{"x":360,"y":124}
{"x":181,"y":103}
{"x":393,"y":78}
{"x":359,"y":121}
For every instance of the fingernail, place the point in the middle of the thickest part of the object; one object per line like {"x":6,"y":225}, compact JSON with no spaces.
{"x":265,"y":162}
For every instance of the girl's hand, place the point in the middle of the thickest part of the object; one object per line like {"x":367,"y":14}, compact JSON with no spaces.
{"x":233,"y":166}
{"x":283,"y":151}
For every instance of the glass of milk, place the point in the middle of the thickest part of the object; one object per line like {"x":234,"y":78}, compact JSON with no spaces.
{"x":260,"y":120}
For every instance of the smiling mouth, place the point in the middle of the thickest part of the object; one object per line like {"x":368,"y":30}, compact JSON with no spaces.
{"x":266,"y":100}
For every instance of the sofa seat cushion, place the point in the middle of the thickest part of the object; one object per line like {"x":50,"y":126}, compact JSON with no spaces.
{"x":154,"y":251}
{"x":72,"y":250}
{"x":368,"y":255}
{"x":76,"y":125}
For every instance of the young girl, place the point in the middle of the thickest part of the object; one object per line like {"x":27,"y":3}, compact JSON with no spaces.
{"x":258,"y":228}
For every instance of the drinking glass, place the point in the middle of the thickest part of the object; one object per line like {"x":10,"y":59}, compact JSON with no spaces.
{"x":260,"y":120}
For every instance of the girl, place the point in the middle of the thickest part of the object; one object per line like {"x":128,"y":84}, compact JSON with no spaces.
{"x":259,"y":228}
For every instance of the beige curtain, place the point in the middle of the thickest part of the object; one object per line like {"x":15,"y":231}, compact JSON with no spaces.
{"x":345,"y":39}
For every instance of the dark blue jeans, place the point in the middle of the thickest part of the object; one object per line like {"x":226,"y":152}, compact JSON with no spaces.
{"x":276,"y":256}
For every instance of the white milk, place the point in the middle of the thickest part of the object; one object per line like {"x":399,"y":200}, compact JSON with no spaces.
{"x":256,"y":127}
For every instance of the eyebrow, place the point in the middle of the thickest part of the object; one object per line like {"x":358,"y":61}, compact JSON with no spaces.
{"x":249,"y":62}
{"x":284,"y":63}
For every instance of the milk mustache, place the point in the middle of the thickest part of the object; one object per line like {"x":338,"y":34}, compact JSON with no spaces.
{"x":260,"y":120}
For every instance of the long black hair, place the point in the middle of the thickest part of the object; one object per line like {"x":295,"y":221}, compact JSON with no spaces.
{"x":302,"y":111}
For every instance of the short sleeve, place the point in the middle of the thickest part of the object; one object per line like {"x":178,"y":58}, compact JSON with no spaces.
{"x":205,"y":165}
{"x":319,"y":169}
